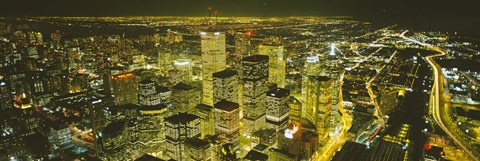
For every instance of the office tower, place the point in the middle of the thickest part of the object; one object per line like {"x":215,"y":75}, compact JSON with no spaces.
{"x":124,"y":88}
{"x":179,"y":128}
{"x":255,"y":79}
{"x":319,"y":103}
{"x":225,"y":86}
{"x":207,"y":119}
{"x":276,"y":65}
{"x":197,"y":150}
{"x":147,"y":94}
{"x":185,"y":98}
{"x":165,"y":94}
{"x":243,"y":48}
{"x":183,"y":71}
{"x":59,"y":135}
{"x":114,"y":141}
{"x":227,"y":119}
{"x":213,"y":60}
{"x":151,"y":131}
{"x":277,"y":108}
{"x":297,"y":142}
{"x":295,"y":113}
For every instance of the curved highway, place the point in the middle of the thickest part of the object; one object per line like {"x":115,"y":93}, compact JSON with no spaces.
{"x":437,"y":109}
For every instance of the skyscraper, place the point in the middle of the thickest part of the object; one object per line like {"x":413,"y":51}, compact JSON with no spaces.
{"x":179,"y":128}
{"x":151,"y":129}
{"x":213,"y":60}
{"x":147,"y":94}
{"x":276,"y":66}
{"x":225,"y":86}
{"x":255,"y":78}
{"x":319,"y":103}
{"x":227,"y":119}
{"x":185,"y":98}
{"x":277,"y":108}
{"x":124,"y":88}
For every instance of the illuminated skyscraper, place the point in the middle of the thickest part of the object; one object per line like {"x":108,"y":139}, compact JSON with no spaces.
{"x":183,"y":71}
{"x":124,"y":88}
{"x":225,"y":86}
{"x":114,"y":141}
{"x":277,"y":108}
{"x":179,"y":128}
{"x":255,"y":87}
{"x":185,"y":97}
{"x":227,"y":119}
{"x":319,"y":103}
{"x":197,"y":150}
{"x":243,"y":48}
{"x":147,"y":94}
{"x":151,"y":129}
{"x":207,"y":119}
{"x":213,"y":60}
{"x":276,"y":66}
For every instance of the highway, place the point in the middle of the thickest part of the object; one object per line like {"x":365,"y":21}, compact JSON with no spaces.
{"x":438,"y":110}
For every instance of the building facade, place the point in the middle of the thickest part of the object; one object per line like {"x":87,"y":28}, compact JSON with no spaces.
{"x":213,"y":60}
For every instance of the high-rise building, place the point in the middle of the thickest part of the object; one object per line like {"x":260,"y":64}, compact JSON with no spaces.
{"x":207,"y":119}
{"x":165,"y":95}
{"x":114,"y":141}
{"x":255,"y":87}
{"x":179,"y":128}
{"x":277,"y":108}
{"x":124,"y":88}
{"x":213,"y":60}
{"x":295,"y":114}
{"x":185,"y":98}
{"x":227,"y":119}
{"x":243,"y":48}
{"x":225,"y":86}
{"x":276,"y":66}
{"x":319,"y":103}
{"x":151,"y":131}
{"x":197,"y":150}
{"x":147,"y":94}
{"x":183,"y":71}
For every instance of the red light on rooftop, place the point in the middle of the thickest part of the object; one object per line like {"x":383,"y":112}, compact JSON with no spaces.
{"x":427,"y":147}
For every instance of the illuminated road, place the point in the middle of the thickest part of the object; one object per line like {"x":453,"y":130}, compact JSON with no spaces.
{"x":438,"y":110}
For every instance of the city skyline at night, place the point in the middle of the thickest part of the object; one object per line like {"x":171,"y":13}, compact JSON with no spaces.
{"x":239,"y":80}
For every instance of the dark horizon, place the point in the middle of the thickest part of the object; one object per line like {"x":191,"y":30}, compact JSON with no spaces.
{"x":450,"y":16}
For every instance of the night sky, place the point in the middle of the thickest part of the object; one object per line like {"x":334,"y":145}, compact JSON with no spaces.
{"x":462,"y":15}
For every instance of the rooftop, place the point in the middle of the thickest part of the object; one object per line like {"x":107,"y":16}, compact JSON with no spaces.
{"x":225,"y":73}
{"x":183,"y":86}
{"x":256,"y":58}
{"x":278,"y":92}
{"x":255,"y":155}
{"x":113,"y":129}
{"x":226,"y":105}
{"x":181,"y":118}
{"x":197,"y":143}
{"x":147,"y":157}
